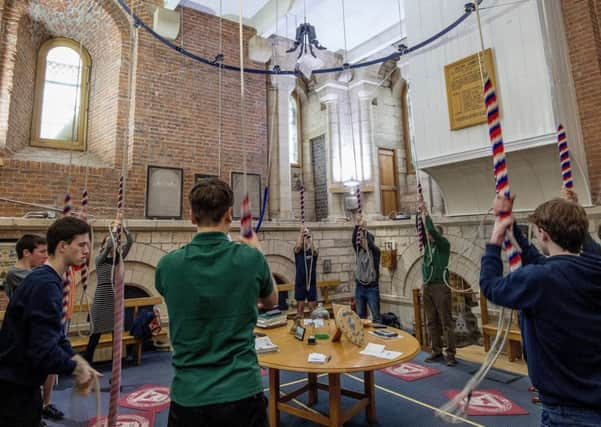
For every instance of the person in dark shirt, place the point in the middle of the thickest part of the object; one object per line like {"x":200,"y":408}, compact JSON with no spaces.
{"x":305,"y":286}
{"x":32,"y":340}
{"x":559,"y":296}
{"x":367,"y":271}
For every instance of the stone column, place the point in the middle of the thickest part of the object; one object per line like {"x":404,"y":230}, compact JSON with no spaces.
{"x":366,"y":147}
{"x":333,"y":151}
{"x":282,"y":199}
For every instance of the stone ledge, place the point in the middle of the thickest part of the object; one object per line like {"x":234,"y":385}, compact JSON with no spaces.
{"x":64,"y":157}
{"x":10,"y":223}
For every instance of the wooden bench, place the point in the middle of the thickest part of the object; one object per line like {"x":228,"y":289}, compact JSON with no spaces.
{"x":489,"y":329}
{"x":79,"y":343}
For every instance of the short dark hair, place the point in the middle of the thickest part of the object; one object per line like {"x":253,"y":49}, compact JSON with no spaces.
{"x":28,"y":242}
{"x":564,"y":221}
{"x":210,"y":199}
{"x":64,"y":230}
{"x":440,"y":229}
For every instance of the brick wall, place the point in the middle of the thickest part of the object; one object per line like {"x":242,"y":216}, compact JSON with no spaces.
{"x":584,"y":41}
{"x":176,"y":105}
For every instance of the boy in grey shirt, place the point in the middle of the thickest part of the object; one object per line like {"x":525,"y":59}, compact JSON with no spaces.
{"x":31,"y":253}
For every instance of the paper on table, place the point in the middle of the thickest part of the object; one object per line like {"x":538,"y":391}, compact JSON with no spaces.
{"x":318,"y":358}
{"x":373,"y":349}
{"x":379,"y":350}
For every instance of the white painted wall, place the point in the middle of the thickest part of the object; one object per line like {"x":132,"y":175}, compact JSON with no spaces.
{"x":525,"y":89}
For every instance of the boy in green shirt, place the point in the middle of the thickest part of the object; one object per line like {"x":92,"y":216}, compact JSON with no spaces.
{"x":437,"y":295}
{"x":211,"y":287}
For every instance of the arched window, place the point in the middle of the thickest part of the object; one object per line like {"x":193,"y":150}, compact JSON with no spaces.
{"x":61,"y":95}
{"x":294,"y":130}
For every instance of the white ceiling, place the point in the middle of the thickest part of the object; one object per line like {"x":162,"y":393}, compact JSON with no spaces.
{"x":370,"y":25}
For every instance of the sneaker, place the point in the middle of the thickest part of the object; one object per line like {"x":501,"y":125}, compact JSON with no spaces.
{"x":433,"y":358}
{"x":451,"y":361}
{"x":51,"y":411}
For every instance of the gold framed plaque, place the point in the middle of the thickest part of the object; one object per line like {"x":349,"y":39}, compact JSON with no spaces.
{"x":465,"y":90}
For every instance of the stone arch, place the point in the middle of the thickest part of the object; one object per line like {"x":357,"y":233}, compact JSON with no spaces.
{"x":140,"y":266}
{"x":282,"y":266}
{"x":464,"y":261}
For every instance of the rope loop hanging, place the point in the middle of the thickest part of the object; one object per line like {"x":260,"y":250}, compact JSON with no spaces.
{"x":245,"y":211}
{"x":460,"y":403}
{"x":118,"y":271}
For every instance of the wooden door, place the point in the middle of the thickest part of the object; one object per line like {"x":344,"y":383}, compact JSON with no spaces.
{"x":389,"y":190}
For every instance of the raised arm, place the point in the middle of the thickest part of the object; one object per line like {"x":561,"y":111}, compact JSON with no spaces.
{"x":439,"y":239}
{"x":517,"y":290}
{"x":530,"y":255}
{"x":129,"y":241}
{"x":106,"y":250}
{"x":299,"y":241}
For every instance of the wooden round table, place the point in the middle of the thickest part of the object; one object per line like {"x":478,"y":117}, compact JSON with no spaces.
{"x":345,"y":357}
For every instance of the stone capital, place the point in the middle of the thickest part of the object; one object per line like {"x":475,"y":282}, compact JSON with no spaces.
{"x":284,"y":83}
{"x":329,"y":98}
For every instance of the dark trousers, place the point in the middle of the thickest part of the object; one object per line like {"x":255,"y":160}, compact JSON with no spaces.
{"x":20,"y":406}
{"x":93,"y":343}
{"x":437,"y":304}
{"x":91,"y":348}
{"x":249,"y":412}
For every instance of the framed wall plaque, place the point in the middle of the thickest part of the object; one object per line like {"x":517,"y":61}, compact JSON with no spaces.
{"x":465,"y":95}
{"x":164,"y":192}
{"x":254,"y":193}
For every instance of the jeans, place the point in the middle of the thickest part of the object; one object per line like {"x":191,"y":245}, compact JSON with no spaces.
{"x":559,"y":416}
{"x":368,"y":296}
{"x":249,"y":412}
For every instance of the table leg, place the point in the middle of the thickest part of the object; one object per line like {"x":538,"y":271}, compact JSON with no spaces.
{"x":312,"y":389}
{"x":370,"y":393}
{"x":335,"y":410}
{"x":274,"y":396}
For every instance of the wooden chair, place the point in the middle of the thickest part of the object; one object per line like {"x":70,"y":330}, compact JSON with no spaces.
{"x":489,"y":329}
{"x":324,"y":288}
